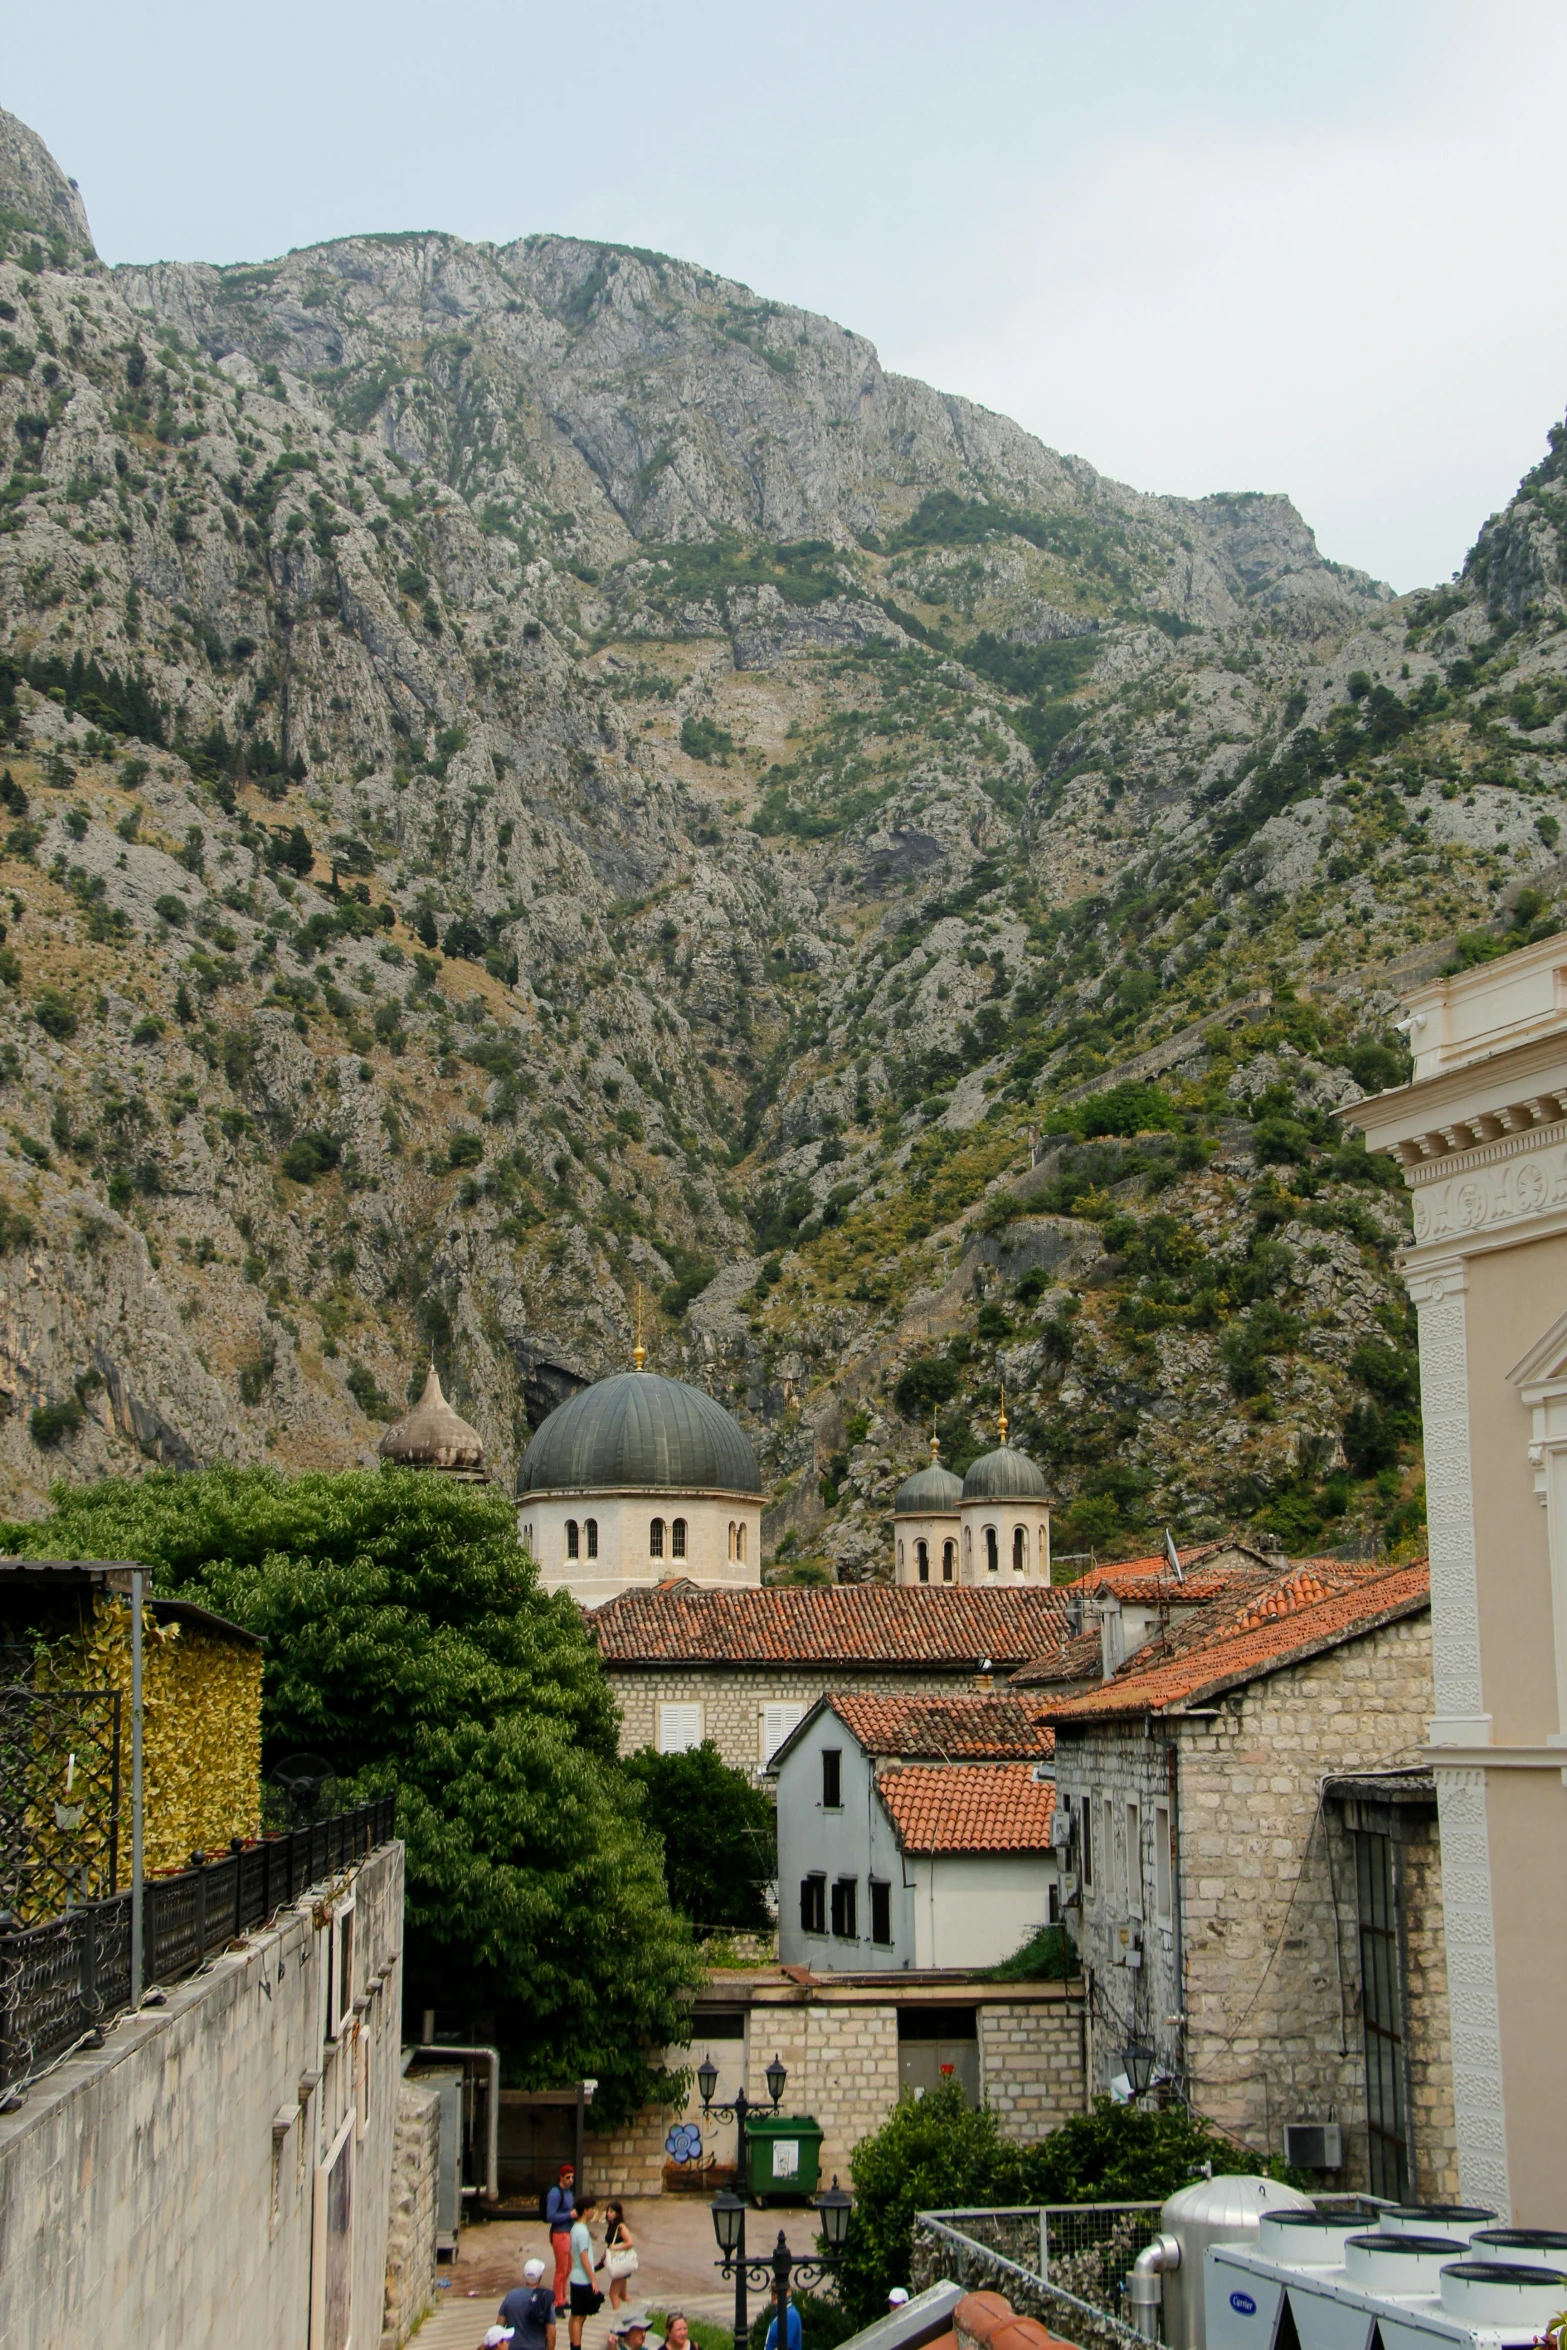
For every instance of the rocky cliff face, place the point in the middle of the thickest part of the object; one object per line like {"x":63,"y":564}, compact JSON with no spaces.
{"x":532,"y":774}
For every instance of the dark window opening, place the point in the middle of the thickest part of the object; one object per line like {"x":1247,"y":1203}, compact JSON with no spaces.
{"x":937,"y":2023}
{"x":591,"y":1530}
{"x":844,"y":1904}
{"x":718,"y":2023}
{"x":832,"y":1778}
{"x":572,"y":1549}
{"x":1086,"y":1839}
{"x":1377,"y":1893}
{"x":655,"y":1539}
{"x":881,"y":1911}
{"x":922,"y":1553}
{"x":949,"y":1552}
{"x":813,"y":1905}
{"x":677,"y":1546}
{"x":992,"y":1555}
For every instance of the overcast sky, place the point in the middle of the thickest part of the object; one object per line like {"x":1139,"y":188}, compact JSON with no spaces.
{"x":1207,"y":244}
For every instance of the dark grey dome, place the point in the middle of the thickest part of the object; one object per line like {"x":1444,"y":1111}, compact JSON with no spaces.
{"x":930,"y":1490}
{"x":1005,"y":1475}
{"x":639,"y":1431}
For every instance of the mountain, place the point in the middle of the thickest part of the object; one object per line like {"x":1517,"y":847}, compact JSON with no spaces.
{"x":535,"y":778}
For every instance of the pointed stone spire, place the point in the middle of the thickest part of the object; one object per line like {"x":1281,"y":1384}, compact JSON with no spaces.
{"x":433,"y":1436}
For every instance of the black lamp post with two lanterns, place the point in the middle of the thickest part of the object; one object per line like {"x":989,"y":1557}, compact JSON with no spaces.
{"x":781,"y":2265}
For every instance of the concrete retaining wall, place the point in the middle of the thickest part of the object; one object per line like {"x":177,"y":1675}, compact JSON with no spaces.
{"x":163,"y":2190}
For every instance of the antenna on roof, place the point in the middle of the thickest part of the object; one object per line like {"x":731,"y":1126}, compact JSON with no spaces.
{"x":639,"y":1351}
{"x":1173,"y":1555}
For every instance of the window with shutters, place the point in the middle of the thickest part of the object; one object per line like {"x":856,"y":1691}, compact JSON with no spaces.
{"x":813,"y":1905}
{"x":1134,"y":1860}
{"x":844,"y":1904}
{"x":778,"y":1720}
{"x":881,"y":1911}
{"x":832,"y":1778}
{"x":1163,"y":1862}
{"x":679,"y":1728}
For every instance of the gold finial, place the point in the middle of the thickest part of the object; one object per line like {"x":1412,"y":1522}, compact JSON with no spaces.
{"x":935,"y":1448}
{"x":1002,"y":1418}
{"x":639,"y":1351}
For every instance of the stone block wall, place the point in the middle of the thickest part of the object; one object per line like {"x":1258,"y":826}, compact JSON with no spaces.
{"x":1031,"y":2065}
{"x":732,"y":1698}
{"x":410,"y":2240}
{"x":163,"y":2188}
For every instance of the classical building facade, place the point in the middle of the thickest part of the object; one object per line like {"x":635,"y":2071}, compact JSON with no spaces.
{"x":986,"y":1530}
{"x":636,"y":1479}
{"x":1481,"y":1134}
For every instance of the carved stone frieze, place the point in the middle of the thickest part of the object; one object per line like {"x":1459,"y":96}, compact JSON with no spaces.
{"x":1499,"y":1182}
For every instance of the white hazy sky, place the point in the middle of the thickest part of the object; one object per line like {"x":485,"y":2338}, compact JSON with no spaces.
{"x":1208,"y":244}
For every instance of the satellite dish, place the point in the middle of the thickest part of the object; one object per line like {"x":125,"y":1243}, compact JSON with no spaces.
{"x":306,"y":1780}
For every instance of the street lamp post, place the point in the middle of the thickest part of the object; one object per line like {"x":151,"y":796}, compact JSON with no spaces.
{"x":781,"y":2268}
{"x":729,"y":2210}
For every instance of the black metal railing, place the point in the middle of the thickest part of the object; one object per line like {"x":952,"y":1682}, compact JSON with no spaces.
{"x":63,"y":1979}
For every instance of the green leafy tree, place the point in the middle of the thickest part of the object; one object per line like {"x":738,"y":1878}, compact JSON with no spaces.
{"x":409,"y":1644}
{"x":720,"y":1835}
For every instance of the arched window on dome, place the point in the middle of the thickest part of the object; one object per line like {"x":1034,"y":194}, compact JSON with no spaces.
{"x":992,"y":1551}
{"x":922,"y":1555}
{"x":949,"y":1561}
{"x":591,"y":1529}
{"x":573,"y":1540}
{"x":655,"y":1539}
{"x":1020,"y":1550}
{"x":677,"y":1539}
{"x":740,"y":1542}
{"x":731,"y":1538}
{"x":900,"y":1554}
{"x":968,"y":1547}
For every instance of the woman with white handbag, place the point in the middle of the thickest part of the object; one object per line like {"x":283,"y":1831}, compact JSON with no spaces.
{"x":620,"y":2255}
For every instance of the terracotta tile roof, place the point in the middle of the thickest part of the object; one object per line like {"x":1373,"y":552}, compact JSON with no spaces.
{"x":1211,"y":1601}
{"x":876,"y":1624}
{"x":1318,"y":1606}
{"x":973,"y":1807}
{"x":1206,"y":1572}
{"x":946,"y":1729}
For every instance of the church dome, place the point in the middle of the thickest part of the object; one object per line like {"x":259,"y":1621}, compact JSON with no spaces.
{"x":930,"y":1491}
{"x":433,"y":1436}
{"x":1005,"y":1475}
{"x":639,"y":1432}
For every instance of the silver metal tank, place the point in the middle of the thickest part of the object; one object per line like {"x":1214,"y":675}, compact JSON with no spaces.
{"x":1213,"y":2211}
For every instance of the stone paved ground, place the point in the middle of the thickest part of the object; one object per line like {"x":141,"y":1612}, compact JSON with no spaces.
{"x":674,"y":2237}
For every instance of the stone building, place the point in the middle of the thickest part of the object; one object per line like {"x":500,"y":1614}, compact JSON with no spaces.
{"x":637,"y":1477}
{"x":743,"y":1667}
{"x":987,"y":1529}
{"x":1251,"y":1868}
{"x":853,"y":2044}
{"x":914,"y":1832}
{"x":1481,"y":1135}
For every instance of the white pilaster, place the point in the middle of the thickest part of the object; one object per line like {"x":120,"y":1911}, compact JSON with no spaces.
{"x":1478,"y":2103}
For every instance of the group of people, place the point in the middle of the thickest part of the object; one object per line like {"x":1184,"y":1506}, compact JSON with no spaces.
{"x":531,"y":2311}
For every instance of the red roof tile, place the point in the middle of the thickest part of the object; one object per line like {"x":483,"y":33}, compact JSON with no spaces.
{"x":946,"y":1729}
{"x":1296,"y":1617}
{"x":1206,"y":1571}
{"x":907,"y":1628}
{"x":974,"y":1807}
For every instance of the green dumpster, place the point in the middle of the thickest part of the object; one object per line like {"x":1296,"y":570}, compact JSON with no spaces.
{"x":783,"y":2156}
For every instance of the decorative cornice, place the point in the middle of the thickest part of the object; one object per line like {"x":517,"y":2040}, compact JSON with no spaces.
{"x":1485,"y":1154}
{"x":1435,"y":1279}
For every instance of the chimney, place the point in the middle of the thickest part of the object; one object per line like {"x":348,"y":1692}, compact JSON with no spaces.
{"x":1112,"y":1645}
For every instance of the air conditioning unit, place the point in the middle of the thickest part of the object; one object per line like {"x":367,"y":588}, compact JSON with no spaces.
{"x":1314,"y":2145}
{"x":1060,"y":1827}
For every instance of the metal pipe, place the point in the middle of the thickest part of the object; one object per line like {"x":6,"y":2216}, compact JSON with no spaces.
{"x":1144,"y":2288}
{"x":492,"y":2156}
{"x":136,"y":1791}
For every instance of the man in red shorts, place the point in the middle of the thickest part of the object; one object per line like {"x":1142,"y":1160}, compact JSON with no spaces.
{"x":560,"y":2209}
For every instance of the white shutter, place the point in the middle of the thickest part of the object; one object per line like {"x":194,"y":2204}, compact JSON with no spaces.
{"x":679,"y":1727}
{"x":777,"y":1722}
